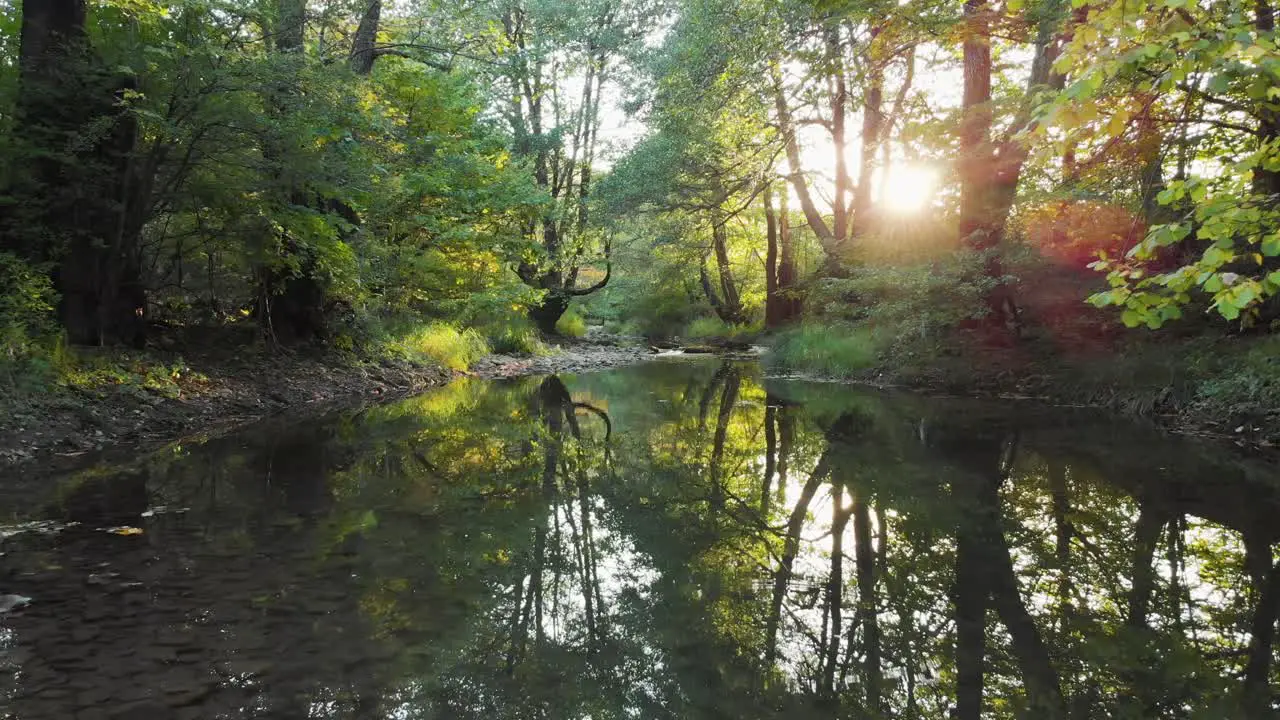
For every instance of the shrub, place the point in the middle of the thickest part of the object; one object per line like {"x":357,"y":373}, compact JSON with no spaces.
{"x":442,"y":344}
{"x":713,"y":328}
{"x":571,"y":324}
{"x":513,"y":335}
{"x":26,"y":316}
{"x":912,"y":302}
{"x":1244,"y":379}
{"x":837,"y":350}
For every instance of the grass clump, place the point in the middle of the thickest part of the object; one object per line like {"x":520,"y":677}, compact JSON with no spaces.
{"x":836,"y":351}
{"x":714,"y":329}
{"x":571,"y":324}
{"x":515,"y":336}
{"x":442,"y":344}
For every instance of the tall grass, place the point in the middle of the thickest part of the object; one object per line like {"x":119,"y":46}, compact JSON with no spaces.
{"x":837,"y":351}
{"x":715,"y":329}
{"x":442,"y":344}
{"x":571,"y":324}
{"x":514,"y":336}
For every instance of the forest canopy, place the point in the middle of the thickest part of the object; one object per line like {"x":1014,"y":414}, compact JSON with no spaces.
{"x":917,"y":174}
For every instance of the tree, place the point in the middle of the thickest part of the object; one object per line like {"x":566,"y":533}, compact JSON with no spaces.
{"x":545,"y":51}
{"x":1173,"y":69}
{"x":75,"y":211}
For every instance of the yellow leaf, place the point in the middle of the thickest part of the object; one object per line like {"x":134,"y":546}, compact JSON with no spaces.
{"x":1117,"y":123}
{"x":125,"y":531}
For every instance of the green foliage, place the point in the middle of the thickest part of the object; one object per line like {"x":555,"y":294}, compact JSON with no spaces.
{"x":26,"y":306}
{"x":916,"y":305}
{"x":285,"y":180}
{"x":1245,"y":381}
{"x":441,"y":344}
{"x":571,"y":324}
{"x":830,"y":350}
{"x":715,"y":329}
{"x":95,"y":372}
{"x":1212,"y":239}
{"x":518,"y":337}
{"x":26,"y":313}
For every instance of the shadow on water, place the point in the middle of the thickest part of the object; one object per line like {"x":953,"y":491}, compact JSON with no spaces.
{"x":674,"y":540}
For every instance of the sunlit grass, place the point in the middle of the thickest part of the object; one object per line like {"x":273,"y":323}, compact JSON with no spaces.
{"x":837,"y":351}
{"x":514,"y":337}
{"x":715,"y":329}
{"x":92,"y":371}
{"x":442,"y":344}
{"x":571,"y":324}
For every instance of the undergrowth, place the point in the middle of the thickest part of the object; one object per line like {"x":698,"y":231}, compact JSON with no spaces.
{"x":708,"y":329}
{"x":836,"y":351}
{"x":440,"y":343}
{"x":571,"y":324}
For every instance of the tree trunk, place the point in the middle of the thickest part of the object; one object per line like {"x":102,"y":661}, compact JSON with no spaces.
{"x":1257,"y":674}
{"x":971,"y":624}
{"x":546,"y":314}
{"x":786,"y":128}
{"x":788,"y":278}
{"x":1063,"y":532}
{"x":728,"y":398}
{"x":292,"y":17}
{"x":1044,"y":692}
{"x":773,"y":309}
{"x":77,"y":206}
{"x":839,"y":109}
{"x":363,"y":46}
{"x":1265,"y":181}
{"x":731,"y":309}
{"x":990,"y":172}
{"x":976,"y":156}
{"x":790,"y":548}
{"x":291,"y":296}
{"x":770,"y":453}
{"x":709,"y":289}
{"x":835,"y":590}
{"x":1146,"y":535}
{"x":872,"y":124}
{"x":864,"y":554}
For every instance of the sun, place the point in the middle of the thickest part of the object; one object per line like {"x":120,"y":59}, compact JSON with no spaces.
{"x":908,"y":188}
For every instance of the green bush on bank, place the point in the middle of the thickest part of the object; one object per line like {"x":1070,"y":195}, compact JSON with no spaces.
{"x":571,"y":324}
{"x":713,"y":329}
{"x":442,"y":344}
{"x":879,"y":311}
{"x":836,"y":351}
{"x":1244,"y":379}
{"x":28,"y":330}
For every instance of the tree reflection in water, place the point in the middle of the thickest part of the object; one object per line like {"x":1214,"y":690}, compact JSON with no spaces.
{"x":677,"y":540}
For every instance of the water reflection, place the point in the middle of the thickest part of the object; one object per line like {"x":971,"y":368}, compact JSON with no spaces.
{"x":676,"y":540}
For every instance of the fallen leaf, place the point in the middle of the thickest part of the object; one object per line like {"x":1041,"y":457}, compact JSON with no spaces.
{"x":125,"y":531}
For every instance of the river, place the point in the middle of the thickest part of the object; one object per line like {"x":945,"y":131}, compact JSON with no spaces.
{"x":678,"y":539}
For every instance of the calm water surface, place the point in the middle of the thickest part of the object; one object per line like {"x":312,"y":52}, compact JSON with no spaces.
{"x":676,"y":540}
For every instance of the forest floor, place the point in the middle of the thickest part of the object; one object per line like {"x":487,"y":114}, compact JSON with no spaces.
{"x":145,"y":400}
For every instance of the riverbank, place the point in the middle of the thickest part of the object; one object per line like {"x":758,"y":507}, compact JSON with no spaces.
{"x":1221,"y":386}
{"x":144,"y":400}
